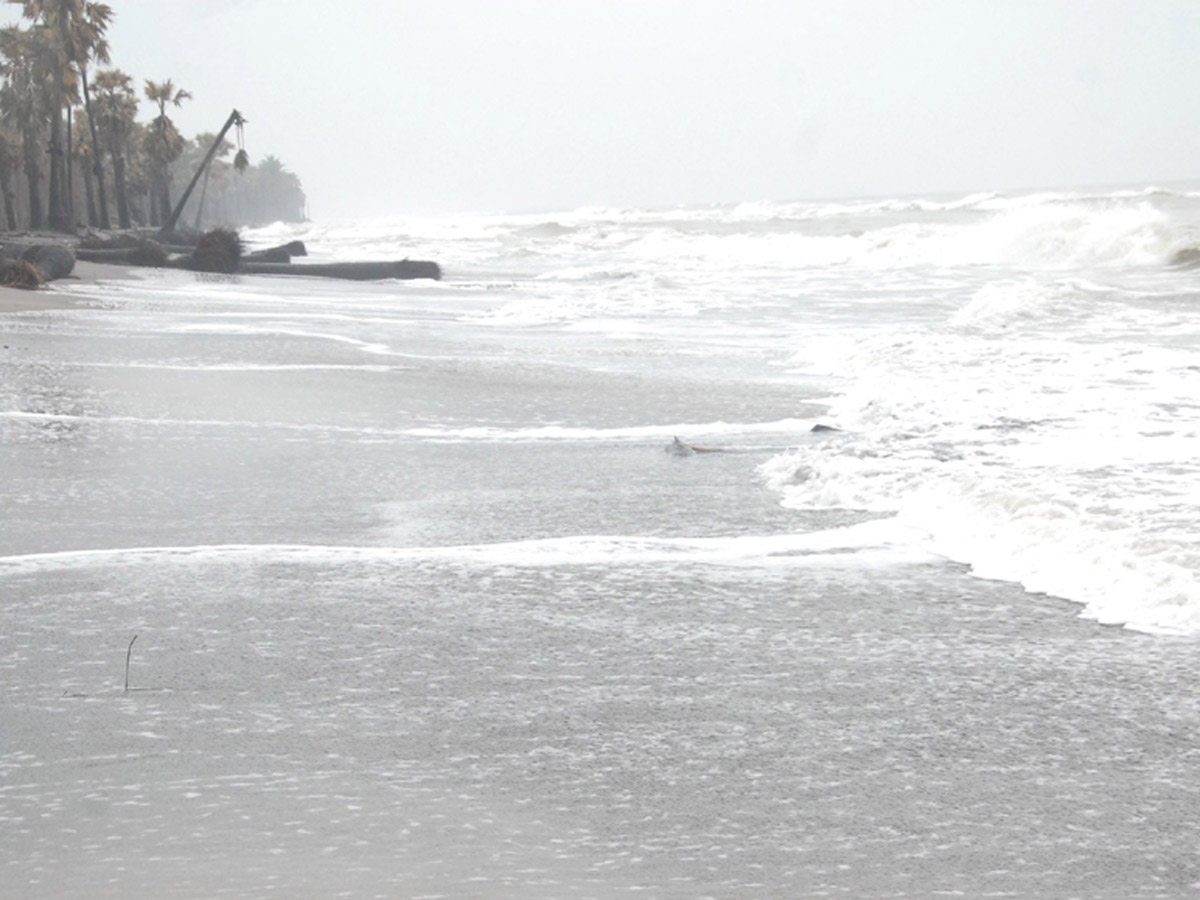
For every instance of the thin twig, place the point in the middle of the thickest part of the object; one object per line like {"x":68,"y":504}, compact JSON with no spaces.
{"x":128,"y":656}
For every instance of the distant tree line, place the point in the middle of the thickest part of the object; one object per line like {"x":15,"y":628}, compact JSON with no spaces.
{"x":72,"y":151}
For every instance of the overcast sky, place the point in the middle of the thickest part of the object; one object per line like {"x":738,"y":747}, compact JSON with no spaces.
{"x":413,"y":106}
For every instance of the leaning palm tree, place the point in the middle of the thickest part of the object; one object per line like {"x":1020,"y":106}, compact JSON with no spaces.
{"x":223,"y":148}
{"x":163,"y":145}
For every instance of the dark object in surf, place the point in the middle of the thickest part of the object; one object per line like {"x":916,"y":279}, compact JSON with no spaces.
{"x":51,"y":260}
{"x":820,"y":427}
{"x":150,"y":254}
{"x":219,"y":250}
{"x":1187,"y":258}
{"x":271,"y":254}
{"x":281,"y":254}
{"x":19,"y":273}
{"x":683,"y":448}
{"x":352,"y":271}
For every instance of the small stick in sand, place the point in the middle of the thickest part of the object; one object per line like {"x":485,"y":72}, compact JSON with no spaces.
{"x":128,"y":656}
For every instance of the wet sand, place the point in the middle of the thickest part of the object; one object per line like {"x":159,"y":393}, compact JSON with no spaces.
{"x":319,"y":707}
{"x":56,"y":294}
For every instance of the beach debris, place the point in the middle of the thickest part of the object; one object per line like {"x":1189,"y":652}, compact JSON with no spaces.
{"x":219,"y":250}
{"x":149,"y":254}
{"x":130,"y":251}
{"x":128,"y":657}
{"x":33,"y":265}
{"x":235,"y":118}
{"x":281,"y":254}
{"x":19,"y":273}
{"x":683,"y":448}
{"x":351,"y":271}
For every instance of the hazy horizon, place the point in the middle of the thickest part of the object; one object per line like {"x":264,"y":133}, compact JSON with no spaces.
{"x":522,"y":105}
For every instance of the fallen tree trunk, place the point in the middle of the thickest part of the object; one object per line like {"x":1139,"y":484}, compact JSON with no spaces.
{"x":352,"y":271}
{"x":148,"y":254}
{"x":34,"y":265}
{"x":51,"y":260}
{"x":291,"y":248}
{"x":117,"y":255}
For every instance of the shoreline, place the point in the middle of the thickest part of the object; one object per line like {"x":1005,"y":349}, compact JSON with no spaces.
{"x":57,"y":295}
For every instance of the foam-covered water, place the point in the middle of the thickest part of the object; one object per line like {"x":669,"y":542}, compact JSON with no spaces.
{"x":424,"y":609}
{"x":1013,"y":374}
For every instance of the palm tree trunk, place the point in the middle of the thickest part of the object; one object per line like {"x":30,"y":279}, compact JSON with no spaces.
{"x":200,"y":205}
{"x":118,"y":164}
{"x":93,"y":220}
{"x":58,"y":218}
{"x":33,"y":175}
{"x":10,"y":213}
{"x":69,"y":171}
{"x":164,"y":199}
{"x":97,"y":163}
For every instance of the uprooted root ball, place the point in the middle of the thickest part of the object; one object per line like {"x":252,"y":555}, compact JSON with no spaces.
{"x":19,"y":273}
{"x":148,"y":253}
{"x":219,"y":250}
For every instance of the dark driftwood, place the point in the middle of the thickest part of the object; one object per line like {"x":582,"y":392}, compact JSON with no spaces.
{"x":107,"y":255}
{"x":683,"y":448}
{"x":271,"y":254}
{"x":148,"y":254}
{"x":353,"y":271}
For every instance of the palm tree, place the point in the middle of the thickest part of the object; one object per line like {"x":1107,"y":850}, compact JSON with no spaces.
{"x":163,"y":145}
{"x":83,"y":152}
{"x":203,"y":141}
{"x":8,"y":165}
{"x":78,"y":28}
{"x":26,"y":63}
{"x":113,"y":112}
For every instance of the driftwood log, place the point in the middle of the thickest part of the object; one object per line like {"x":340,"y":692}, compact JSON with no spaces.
{"x":148,"y":253}
{"x":352,"y":271}
{"x":33,"y":265}
{"x":291,"y":248}
{"x":220,"y":251}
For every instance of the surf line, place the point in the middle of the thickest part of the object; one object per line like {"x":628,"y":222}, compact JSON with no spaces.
{"x":604,"y":550}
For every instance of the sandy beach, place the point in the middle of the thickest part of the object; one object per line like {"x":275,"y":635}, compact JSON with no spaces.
{"x":422,"y":607}
{"x":57,"y":295}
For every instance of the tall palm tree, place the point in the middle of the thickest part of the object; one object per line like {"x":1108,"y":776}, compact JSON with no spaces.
{"x":83,"y":151}
{"x":163,"y":145}
{"x":113,"y":113}
{"x":78,"y":29}
{"x":8,"y":165}
{"x":27,"y":65}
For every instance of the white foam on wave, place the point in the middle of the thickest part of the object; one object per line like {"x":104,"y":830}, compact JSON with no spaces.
{"x":1044,"y":434}
{"x":882,"y":542}
{"x":447,"y":433}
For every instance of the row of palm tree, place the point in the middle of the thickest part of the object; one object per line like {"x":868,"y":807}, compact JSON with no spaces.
{"x":60,"y":120}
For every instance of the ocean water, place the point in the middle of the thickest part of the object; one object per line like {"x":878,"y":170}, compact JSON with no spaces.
{"x":425,"y":607}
